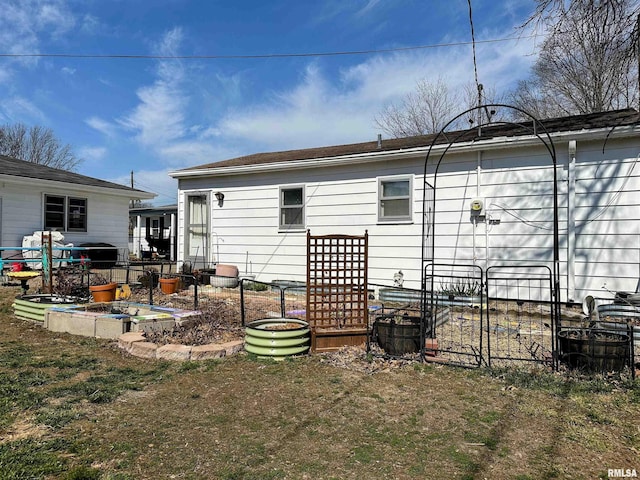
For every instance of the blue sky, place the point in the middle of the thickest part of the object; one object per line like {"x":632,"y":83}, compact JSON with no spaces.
{"x":155,"y":115}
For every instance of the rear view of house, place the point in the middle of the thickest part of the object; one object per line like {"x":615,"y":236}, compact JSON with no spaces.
{"x":494,"y":204}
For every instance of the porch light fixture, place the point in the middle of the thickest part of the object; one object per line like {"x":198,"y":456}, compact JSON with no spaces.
{"x":220,"y":198}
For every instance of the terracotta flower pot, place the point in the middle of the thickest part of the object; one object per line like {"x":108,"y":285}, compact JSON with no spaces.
{"x":169,"y":285}
{"x":104,"y":293}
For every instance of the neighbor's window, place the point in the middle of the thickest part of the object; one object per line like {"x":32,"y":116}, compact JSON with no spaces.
{"x":291,"y":207}
{"x":394,"y":199}
{"x":65,"y":213}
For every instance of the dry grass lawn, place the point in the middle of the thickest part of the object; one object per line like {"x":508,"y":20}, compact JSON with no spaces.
{"x":78,"y":408}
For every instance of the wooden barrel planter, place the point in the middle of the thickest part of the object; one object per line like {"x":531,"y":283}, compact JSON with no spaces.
{"x":593,"y":350}
{"x":277,"y":338}
{"x":398,"y":334}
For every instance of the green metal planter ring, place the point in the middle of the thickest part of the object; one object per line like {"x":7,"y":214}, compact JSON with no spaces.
{"x":277,"y":338}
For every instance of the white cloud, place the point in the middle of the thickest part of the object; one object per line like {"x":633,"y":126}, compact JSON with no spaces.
{"x":186,"y":153}
{"x":103,"y":126}
{"x":371,"y":4}
{"x":17,"y":108}
{"x":159,"y":117}
{"x":68,"y":71}
{"x":92,"y":154}
{"x":23,"y":22}
{"x":321,"y":111}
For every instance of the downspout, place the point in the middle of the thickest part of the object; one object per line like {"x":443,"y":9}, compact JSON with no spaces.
{"x":571,"y":222}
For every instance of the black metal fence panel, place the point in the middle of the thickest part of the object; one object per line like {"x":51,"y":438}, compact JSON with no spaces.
{"x":520,"y":320}
{"x":260,"y":300}
{"x":454,"y":306}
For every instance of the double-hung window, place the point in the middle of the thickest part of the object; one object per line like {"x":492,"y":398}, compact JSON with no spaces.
{"x":64,"y":213}
{"x":395,"y":199}
{"x":291,"y":208}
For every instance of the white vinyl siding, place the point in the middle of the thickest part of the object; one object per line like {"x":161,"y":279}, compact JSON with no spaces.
{"x":515,"y":183}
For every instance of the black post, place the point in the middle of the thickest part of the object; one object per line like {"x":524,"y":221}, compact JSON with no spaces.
{"x":195,"y":292}
{"x":150,"y":276}
{"x":242,"y":301}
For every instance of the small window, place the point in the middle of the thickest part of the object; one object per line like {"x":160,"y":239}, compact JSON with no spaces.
{"x":77,"y":215}
{"x":394,"y":195}
{"x":65,"y":213}
{"x":54,"y":212}
{"x":291,"y":208}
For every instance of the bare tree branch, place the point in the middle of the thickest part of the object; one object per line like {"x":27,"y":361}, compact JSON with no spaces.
{"x":38,"y":145}
{"x":429,"y":108}
{"x":588,"y":61}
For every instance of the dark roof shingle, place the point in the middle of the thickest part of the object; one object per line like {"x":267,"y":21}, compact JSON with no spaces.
{"x":20,"y":168}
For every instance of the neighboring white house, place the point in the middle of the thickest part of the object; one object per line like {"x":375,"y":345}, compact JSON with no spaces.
{"x":84,"y":209}
{"x":152,"y":231}
{"x":254,"y":211}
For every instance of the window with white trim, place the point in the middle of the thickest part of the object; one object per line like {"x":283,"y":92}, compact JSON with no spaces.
{"x":291,"y":208}
{"x":395,"y":199}
{"x":65,"y":213}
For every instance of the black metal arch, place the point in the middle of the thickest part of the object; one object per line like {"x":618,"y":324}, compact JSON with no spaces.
{"x":536,"y":129}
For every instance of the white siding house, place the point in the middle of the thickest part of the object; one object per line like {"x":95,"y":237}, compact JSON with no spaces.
{"x":86,"y":210}
{"x":271,"y":199}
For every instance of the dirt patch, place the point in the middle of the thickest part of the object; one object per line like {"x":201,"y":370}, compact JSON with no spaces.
{"x":22,"y":428}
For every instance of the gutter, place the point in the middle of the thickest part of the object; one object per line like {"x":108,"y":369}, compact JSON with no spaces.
{"x":495,"y":143}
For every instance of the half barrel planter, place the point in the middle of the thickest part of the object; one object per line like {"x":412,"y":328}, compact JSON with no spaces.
{"x":277,"y":338}
{"x":398,"y":334}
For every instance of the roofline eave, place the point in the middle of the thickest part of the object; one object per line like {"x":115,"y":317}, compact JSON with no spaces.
{"x":495,"y":143}
{"x":120,"y":192}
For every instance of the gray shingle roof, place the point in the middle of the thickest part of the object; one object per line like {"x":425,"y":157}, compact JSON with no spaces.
{"x":561,"y":124}
{"x":20,"y":168}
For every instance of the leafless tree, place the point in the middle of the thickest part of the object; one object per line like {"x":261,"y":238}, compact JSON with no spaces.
{"x":38,"y":145}
{"x":429,"y":108}
{"x":425,"y":110}
{"x":587,"y":62}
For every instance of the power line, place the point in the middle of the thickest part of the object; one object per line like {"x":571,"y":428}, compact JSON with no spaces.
{"x":257,"y":56}
{"x":473,"y":43}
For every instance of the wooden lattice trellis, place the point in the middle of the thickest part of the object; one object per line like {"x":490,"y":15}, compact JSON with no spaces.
{"x":337,"y":289}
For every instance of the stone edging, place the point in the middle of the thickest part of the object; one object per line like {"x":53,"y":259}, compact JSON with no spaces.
{"x":136,"y":344}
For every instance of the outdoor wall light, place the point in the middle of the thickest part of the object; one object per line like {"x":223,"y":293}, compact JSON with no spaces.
{"x":220,"y":198}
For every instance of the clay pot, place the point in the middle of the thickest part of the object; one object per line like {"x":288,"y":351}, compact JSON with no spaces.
{"x":223,"y":270}
{"x":169,"y":285}
{"x":104,"y":293}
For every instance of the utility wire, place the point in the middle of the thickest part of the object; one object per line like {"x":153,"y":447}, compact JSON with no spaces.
{"x":269,"y":55}
{"x":473,"y":44}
